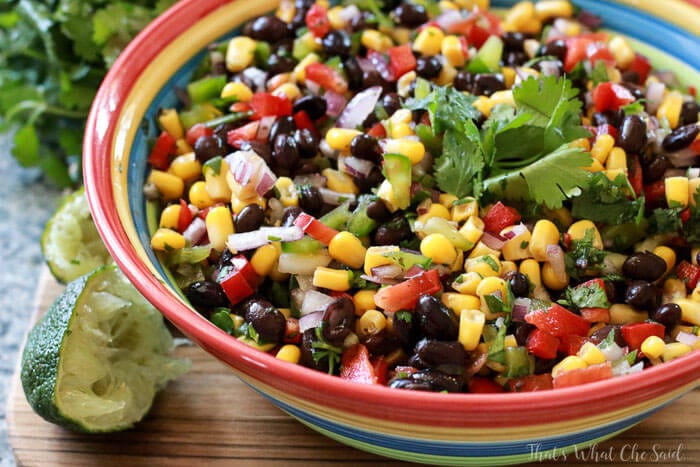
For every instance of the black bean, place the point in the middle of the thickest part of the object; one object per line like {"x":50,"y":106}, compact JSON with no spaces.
{"x":631,"y":76}
{"x":381,"y":344}
{"x":410,"y":15}
{"x":282,"y":126}
{"x":266,"y":319}
{"x":268,"y":28}
{"x":371,"y":181}
{"x":689,"y":112}
{"x":644,"y":266}
{"x":487,"y":83}
{"x":353,"y":73}
{"x":378,"y":211}
{"x":393,"y":232}
{"x":279,"y":64}
{"x":513,"y":41}
{"x":206,"y":295}
{"x":656,"y":169}
{"x":464,"y":81}
{"x":207,"y":147}
{"x":555,"y":48}
{"x":285,"y":152}
{"x":250,"y":218}
{"x":427,"y":380}
{"x":258,"y":147}
{"x":445,"y":356}
{"x":320,"y":362}
{"x":366,"y":147}
{"x":310,"y":199}
{"x":338,"y":320}
{"x":435,"y":320}
{"x":668,"y":314}
{"x":403,"y":328}
{"x":289,"y":215}
{"x":602,"y":333}
{"x":522,"y":331}
{"x":314,"y":106}
{"x":519,"y":284}
{"x":633,"y":134}
{"x":337,"y":42}
{"x":307,"y":142}
{"x":514,"y":59}
{"x":391,"y":102}
{"x":307,"y":167}
{"x":359,"y":22}
{"x":428,"y":67}
{"x":681,"y":137}
{"x":641,"y":295}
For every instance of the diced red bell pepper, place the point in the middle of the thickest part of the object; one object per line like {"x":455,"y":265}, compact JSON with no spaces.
{"x":685,"y":215}
{"x":499,"y":217}
{"x":304,"y":122}
{"x":483,"y":385}
{"x":641,"y":66}
{"x":577,"y":48}
{"x":695,"y":146}
{"x":596,"y":314}
{"x":405,"y":295}
{"x":542,"y":344}
{"x":236,"y":286}
{"x":688,"y":273}
{"x":655,"y":192}
{"x":635,"y":174}
{"x":377,"y":130}
{"x":326,"y":77}
{"x":241,"y":263}
{"x":196,"y":131}
{"x":588,"y":374}
{"x":185,"y":217}
{"x":571,"y":344}
{"x":292,"y":333}
{"x":356,"y":365}
{"x":530,"y":383}
{"x":558,"y":321}
{"x":401,"y":59}
{"x":315,"y":228}
{"x":317,"y":20}
{"x":611,"y":96}
{"x":238,"y":107}
{"x":264,"y":104}
{"x":381,"y":368}
{"x":240,"y":135}
{"x":597,"y":51}
{"x":164,"y":146}
{"x":636,"y":333}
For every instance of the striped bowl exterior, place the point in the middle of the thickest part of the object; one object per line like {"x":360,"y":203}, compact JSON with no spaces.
{"x":450,"y":429}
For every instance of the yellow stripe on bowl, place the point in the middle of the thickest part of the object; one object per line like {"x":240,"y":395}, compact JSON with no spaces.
{"x":676,"y":12}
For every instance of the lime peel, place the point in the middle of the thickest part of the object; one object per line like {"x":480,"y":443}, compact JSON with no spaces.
{"x":97,"y":358}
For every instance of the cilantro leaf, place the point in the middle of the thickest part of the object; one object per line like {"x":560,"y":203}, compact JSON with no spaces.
{"x":459,"y":167}
{"x":588,"y":295}
{"x":607,"y":201}
{"x":583,"y":257}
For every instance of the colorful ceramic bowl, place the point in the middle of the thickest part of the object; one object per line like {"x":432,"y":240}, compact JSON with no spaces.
{"x":467,"y":429}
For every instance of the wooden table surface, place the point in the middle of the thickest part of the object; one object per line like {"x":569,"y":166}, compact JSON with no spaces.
{"x":209,"y":416}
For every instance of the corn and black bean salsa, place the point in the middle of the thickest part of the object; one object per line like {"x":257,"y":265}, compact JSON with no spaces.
{"x":435,"y":196}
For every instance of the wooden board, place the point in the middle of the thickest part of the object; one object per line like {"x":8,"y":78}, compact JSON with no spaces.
{"x":210,"y":416}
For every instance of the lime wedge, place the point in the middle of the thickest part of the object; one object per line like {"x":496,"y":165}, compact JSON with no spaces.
{"x":97,"y":358}
{"x":70,"y":242}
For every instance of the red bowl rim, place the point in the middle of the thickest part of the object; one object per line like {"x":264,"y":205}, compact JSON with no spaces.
{"x":576,"y":401}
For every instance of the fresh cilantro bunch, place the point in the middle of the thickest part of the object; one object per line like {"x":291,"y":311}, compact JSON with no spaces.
{"x":53,"y":56}
{"x":519,"y":154}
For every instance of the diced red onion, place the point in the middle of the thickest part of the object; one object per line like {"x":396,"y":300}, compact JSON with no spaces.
{"x":378,"y":280}
{"x":550,"y":67}
{"x":312,"y":87}
{"x":283,"y":234}
{"x":296,"y":297}
{"x":667,"y":77}
{"x":310,"y":321}
{"x":516,"y":230}
{"x":348,"y":13}
{"x":247,"y":240}
{"x":304,"y":264}
{"x":264,"y":127}
{"x":623,"y":368}
{"x":195,"y":231}
{"x":687,"y":338}
{"x":335,"y":197}
{"x":305,"y":282}
{"x":521,"y":307}
{"x":335,"y":103}
{"x":612,"y":351}
{"x":359,"y":107}
{"x":314,"y":179}
{"x":327,"y":150}
{"x":255,"y":78}
{"x":414,"y":271}
{"x":357,"y":167}
{"x":682,"y":158}
{"x":448,"y":18}
{"x":381,"y":64}
{"x":492,"y":241}
{"x":365,"y":65}
{"x":388,"y":271}
{"x":247,"y":167}
{"x":654,"y":95}
{"x":555,"y":255}
{"x":314,"y":301}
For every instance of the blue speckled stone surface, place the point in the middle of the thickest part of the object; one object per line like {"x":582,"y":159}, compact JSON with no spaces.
{"x":26,"y":204}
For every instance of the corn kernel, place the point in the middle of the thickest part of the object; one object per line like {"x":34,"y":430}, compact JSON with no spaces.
{"x":623,"y":314}
{"x":591,"y":354}
{"x":447,"y":74}
{"x":578,"y":231}
{"x":411,"y":148}
{"x":485,"y":266}
{"x":299,"y":72}
{"x":371,"y":323}
{"x":376,"y":256}
{"x":182,"y":147}
{"x":167,"y":240}
{"x":451,"y":49}
{"x":690,"y":311}
{"x":335,"y":17}
{"x":675,"y":350}
{"x":403,"y":84}
{"x":237,"y":204}
{"x":508,"y":266}
{"x":287,"y":191}
{"x":653,"y":346}
{"x":429,"y":41}
{"x":333,"y":279}
{"x":375,"y":40}
{"x":186,"y":166}
{"x":265,"y":258}
{"x":170,"y":217}
{"x":677,"y":191}
{"x":289,"y":353}
{"x":459,"y":301}
{"x":385,"y":192}
{"x":531,"y":269}
{"x":508,"y":76}
{"x":169,"y":186}
{"x":621,"y":50}
{"x":340,"y":138}
{"x":510,"y":341}
{"x":548,"y":9}
{"x":216,"y":185}
{"x":471,"y":326}
{"x":595,"y":166}
{"x":169,"y":121}
{"x":483,"y":105}
{"x":287,"y":90}
{"x":219,"y":224}
{"x":670,"y":108}
{"x":348,"y":249}
{"x":617,"y":159}
{"x":437,"y":247}
{"x":582,"y":143}
{"x":517,"y":246}
{"x":481,"y":249}
{"x":363,"y":300}
{"x":466,"y":283}
{"x":199,"y":196}
{"x":544,"y":233}
{"x":693,"y":190}
{"x":667,"y":254}
{"x":240,"y":53}
{"x":339,"y":181}
{"x":446,"y":200}
{"x":238,"y":91}
{"x":502,"y":97}
{"x":602,"y":146}
{"x":464,"y":209}
{"x":552,"y":280}
{"x":572,"y":362}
